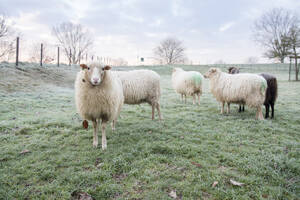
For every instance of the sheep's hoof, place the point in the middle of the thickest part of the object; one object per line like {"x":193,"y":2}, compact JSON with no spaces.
{"x":104,"y":147}
{"x":95,"y":144}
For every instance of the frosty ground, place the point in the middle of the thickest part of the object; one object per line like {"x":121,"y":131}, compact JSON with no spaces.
{"x":45,"y":152}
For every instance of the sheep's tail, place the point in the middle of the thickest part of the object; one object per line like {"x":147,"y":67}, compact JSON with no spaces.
{"x":263,"y":86}
{"x":197,"y":79}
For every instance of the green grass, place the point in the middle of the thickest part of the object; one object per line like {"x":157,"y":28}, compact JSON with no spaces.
{"x":193,"y":147}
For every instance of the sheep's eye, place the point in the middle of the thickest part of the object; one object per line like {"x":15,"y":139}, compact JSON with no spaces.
{"x":88,"y":68}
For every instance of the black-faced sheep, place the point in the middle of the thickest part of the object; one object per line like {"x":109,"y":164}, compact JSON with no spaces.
{"x":98,"y":96}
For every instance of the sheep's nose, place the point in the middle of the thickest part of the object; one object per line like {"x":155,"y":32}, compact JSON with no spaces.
{"x":95,"y":80}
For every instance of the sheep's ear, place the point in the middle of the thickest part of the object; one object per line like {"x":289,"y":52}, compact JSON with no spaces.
{"x":213,"y":70}
{"x":83,"y":66}
{"x":107,"y":67}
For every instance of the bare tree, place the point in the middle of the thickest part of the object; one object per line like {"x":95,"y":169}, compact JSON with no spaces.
{"x":35,"y":53}
{"x":294,"y":44}
{"x":74,"y":39}
{"x":271,"y":31}
{"x":170,"y":51}
{"x":6,"y":38}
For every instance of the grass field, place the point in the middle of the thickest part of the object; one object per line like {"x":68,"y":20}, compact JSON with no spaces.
{"x":185,"y":154}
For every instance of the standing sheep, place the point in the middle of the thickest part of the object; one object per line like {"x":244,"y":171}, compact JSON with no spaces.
{"x":187,"y":83}
{"x":234,"y":70}
{"x":98,"y":96}
{"x":141,"y":86}
{"x":243,"y":88}
{"x":271,"y":93}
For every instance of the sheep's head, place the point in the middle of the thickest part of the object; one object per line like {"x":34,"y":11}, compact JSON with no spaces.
{"x":212,"y":72}
{"x":176,"y":69}
{"x":233,"y":70}
{"x":94,"y":73}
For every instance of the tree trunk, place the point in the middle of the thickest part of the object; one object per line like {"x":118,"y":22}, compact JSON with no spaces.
{"x":296,"y":69}
{"x":282,"y":60}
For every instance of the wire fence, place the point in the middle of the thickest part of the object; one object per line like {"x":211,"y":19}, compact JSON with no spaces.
{"x":44,"y":53}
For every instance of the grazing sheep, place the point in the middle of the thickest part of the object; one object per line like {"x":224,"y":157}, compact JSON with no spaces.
{"x":98,"y":96}
{"x":234,"y":70}
{"x":141,"y":86}
{"x":243,"y":88}
{"x":271,"y":93}
{"x":187,"y":83}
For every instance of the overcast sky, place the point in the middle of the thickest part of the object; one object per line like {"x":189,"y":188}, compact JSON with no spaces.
{"x":210,"y":29}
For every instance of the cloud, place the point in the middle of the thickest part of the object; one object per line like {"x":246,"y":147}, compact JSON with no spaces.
{"x":226,"y":26}
{"x":130,"y":27}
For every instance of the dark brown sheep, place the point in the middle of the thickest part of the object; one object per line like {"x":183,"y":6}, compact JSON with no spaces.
{"x":271,"y":93}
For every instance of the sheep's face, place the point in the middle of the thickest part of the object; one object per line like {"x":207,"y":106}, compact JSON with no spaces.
{"x":233,"y":70}
{"x":176,"y":69}
{"x":211,"y":72}
{"x":94,"y":73}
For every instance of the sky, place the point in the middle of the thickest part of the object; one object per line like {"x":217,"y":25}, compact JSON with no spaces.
{"x":211,"y":30}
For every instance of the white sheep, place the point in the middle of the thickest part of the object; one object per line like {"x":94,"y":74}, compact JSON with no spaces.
{"x":187,"y":83}
{"x":98,"y":96}
{"x":243,"y":88}
{"x":141,"y":86}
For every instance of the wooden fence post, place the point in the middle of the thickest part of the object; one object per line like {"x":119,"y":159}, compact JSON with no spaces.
{"x":70,"y":58}
{"x":17,"y":52}
{"x":290,"y":69}
{"x":57,"y":56}
{"x":41,"y":61}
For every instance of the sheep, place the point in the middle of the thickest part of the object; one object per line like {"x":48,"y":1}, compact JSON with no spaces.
{"x":243,"y":88}
{"x":234,"y":70}
{"x":98,"y":96}
{"x":271,"y":93}
{"x":141,"y":86}
{"x":187,"y":83}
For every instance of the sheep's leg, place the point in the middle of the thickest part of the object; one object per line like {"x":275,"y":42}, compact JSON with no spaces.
{"x":199,"y":98}
{"x":153,"y":110}
{"x":182,"y":97}
{"x":267,"y":110}
{"x":222,"y":107}
{"x":194,"y":99}
{"x":113,"y":125}
{"x":272,"y":106}
{"x":259,"y":114}
{"x":95,"y":138}
{"x":240,"y":108}
{"x":158,"y":110}
{"x":243,"y":107}
{"x":103,"y":126}
{"x":185,"y":98}
{"x":228,"y":108}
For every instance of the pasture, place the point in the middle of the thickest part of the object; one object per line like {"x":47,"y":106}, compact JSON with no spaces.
{"x":46,"y":154}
